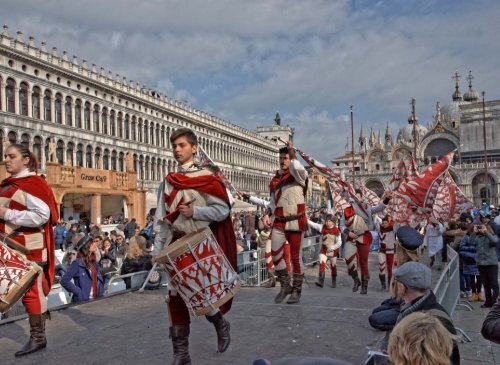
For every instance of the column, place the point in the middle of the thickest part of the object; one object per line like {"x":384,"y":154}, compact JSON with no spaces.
{"x":52,"y":108}
{"x":63,"y":109}
{"x":30,"y":103}
{"x":91,"y":116}
{"x":2,"y":96}
{"x":95,"y":209}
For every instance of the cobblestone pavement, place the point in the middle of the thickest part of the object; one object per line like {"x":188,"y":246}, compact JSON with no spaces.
{"x":132,"y":329}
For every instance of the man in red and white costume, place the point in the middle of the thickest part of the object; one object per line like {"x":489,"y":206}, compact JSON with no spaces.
{"x":188,"y":200}
{"x":27,"y":213}
{"x":331,"y":242}
{"x":359,"y":222}
{"x":386,"y":250}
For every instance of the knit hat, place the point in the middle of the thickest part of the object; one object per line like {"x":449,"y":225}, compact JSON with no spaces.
{"x":414,"y":275}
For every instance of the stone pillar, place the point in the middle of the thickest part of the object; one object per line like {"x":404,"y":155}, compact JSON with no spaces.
{"x":95,"y":209}
{"x":30,"y":103}
{"x":52,"y":108}
{"x":91,"y":116}
{"x":63,"y":109}
{"x":3,"y":100}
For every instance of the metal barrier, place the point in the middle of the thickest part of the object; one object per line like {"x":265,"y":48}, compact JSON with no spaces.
{"x":447,"y":289}
{"x":252,"y":268}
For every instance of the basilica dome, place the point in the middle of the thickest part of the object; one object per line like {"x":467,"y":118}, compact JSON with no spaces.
{"x":406,"y":133}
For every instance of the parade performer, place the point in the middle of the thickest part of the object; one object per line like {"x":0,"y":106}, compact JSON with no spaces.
{"x":386,"y":250}
{"x":188,"y":200}
{"x":287,"y":190}
{"x":27,"y":213}
{"x":359,"y":223}
{"x":330,"y":247}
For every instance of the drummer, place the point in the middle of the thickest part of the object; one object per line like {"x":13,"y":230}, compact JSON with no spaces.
{"x":27,"y":213}
{"x":188,"y":200}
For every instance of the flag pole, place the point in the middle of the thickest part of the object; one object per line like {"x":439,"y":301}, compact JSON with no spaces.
{"x":352,"y":145}
{"x":486,"y":176}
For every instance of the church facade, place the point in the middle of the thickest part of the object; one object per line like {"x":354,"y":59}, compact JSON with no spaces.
{"x":455,"y":126}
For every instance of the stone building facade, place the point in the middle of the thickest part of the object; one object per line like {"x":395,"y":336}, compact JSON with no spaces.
{"x":94,"y":119}
{"x":456,"y":126}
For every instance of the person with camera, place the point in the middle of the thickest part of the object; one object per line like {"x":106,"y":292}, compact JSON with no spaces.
{"x":485,"y":242}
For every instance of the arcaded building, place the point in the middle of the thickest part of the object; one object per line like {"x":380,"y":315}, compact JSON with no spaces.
{"x":90,"y":119}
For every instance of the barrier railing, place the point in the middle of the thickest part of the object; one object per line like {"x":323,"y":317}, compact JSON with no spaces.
{"x":252,"y":268}
{"x":447,"y":289}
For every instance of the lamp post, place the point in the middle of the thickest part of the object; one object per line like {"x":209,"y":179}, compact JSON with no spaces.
{"x":352,"y":144}
{"x":486,"y":177}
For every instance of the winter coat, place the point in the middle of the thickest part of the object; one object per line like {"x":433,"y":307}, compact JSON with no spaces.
{"x":59,"y":235}
{"x":491,"y":324}
{"x":141,"y":263}
{"x":428,"y":303}
{"x":468,"y":255}
{"x":82,"y":281}
{"x":384,"y":317}
{"x":129,"y":229}
{"x":486,"y":248}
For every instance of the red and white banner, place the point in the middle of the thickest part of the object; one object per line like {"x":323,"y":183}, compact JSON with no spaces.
{"x":450,"y":200}
{"x":412,"y":168}
{"x":414,"y":199}
{"x":400,"y":176}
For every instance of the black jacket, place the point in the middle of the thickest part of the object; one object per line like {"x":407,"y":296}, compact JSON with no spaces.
{"x":427,"y":303}
{"x":491,"y":324}
{"x":384,"y":317}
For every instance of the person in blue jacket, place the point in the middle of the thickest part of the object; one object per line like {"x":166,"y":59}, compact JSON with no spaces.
{"x":88,"y":282}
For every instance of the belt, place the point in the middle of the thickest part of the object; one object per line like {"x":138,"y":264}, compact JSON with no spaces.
{"x":290,"y":217}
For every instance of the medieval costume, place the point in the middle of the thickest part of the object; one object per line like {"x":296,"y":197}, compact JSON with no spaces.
{"x":329,"y":251}
{"x":386,"y":253}
{"x":211,"y":203}
{"x":32,"y":211}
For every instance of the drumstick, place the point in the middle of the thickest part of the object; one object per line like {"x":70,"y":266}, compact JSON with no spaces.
{"x":147,"y":277}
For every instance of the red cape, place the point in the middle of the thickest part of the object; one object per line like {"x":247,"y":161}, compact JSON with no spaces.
{"x":223,"y":231}
{"x":38,"y":187}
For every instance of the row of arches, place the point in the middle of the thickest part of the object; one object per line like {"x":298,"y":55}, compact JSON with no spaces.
{"x":148,"y":168}
{"x":20,"y":97}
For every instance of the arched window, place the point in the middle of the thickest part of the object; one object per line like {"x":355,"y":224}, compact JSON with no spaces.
{"x":146,"y":137}
{"x":88,"y":157}
{"x":95,"y":117}
{"x":121,"y":164}
{"x":113,"y":160}
{"x":47,"y":106}
{"x":12,"y":136}
{"x":127,"y":126}
{"x":78,"y":113}
{"x":68,"y":110}
{"x":105,"y":160}
{"x":58,"y":108}
{"x":69,"y":153}
{"x":157,"y":134}
{"x":86,"y":115}
{"x":151,"y":132}
{"x":112,"y":130}
{"x":141,"y":167}
{"x":134,"y":126}
{"x":162,"y":136}
{"x":147,"y":170}
{"x":104,"y":121}
{"x":60,"y":152}
{"x":97,"y":157}
{"x":25,"y":140}
{"x":10,"y":95}
{"x":139,"y":129}
{"x":23,"y":99}
{"x":37,"y":148}
{"x":35,"y":102}
{"x":119,"y":122}
{"x":79,"y":155}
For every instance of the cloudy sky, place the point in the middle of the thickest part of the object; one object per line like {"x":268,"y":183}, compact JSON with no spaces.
{"x":309,"y":60}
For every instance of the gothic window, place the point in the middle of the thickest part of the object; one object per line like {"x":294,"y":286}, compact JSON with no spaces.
{"x":58,"y":108}
{"x":127,"y":126}
{"x":10,"y":95}
{"x":60,"y":152}
{"x":146,"y":136}
{"x":68,"y":110}
{"x":88,"y":157}
{"x":69,"y":153}
{"x":139,"y":130}
{"x":112,"y":130}
{"x":35,"y":102}
{"x":105,"y":160}
{"x":113,"y":160}
{"x":151,"y":132}
{"x":25,"y":140}
{"x":104,"y":121}
{"x":157,"y":134}
{"x":97,"y":156}
{"x":79,"y":155}
{"x":121,"y":165}
{"x":37,"y":148}
{"x":47,"y":106}
{"x":23,"y":99}
{"x":119,"y":122}
{"x":134,"y":126}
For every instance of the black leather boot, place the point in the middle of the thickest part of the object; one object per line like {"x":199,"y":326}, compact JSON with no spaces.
{"x":222,"y":328}
{"x":321,"y":280}
{"x":180,"y":343}
{"x":364,"y":285}
{"x":284,"y":279}
{"x":37,"y":339}
{"x":382,"y":281}
{"x":272,"y":279}
{"x":357,"y":283}
{"x":296,"y":289}
{"x":334,"y":281}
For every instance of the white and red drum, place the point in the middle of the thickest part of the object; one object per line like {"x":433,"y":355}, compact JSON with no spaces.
{"x":17,"y":275}
{"x":199,"y":271}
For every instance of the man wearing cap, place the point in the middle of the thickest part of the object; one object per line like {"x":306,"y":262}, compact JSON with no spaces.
{"x":414,"y":281}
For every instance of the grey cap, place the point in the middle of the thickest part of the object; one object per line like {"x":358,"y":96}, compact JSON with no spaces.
{"x":414,"y":274}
